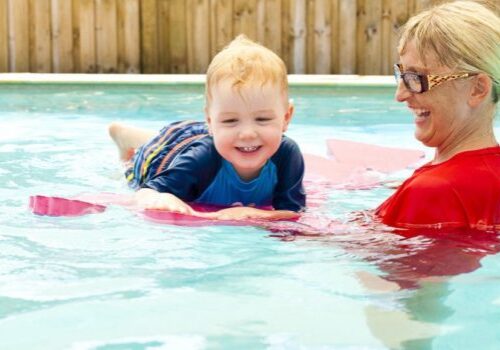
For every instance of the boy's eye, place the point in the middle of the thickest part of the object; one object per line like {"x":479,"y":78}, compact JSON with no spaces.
{"x":229,"y":121}
{"x":263,"y":119}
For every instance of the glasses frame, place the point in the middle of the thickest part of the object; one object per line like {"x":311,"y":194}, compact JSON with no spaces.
{"x":427,"y":81}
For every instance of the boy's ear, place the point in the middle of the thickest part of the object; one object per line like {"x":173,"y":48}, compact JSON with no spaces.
{"x":288,"y":115}
{"x":481,"y":89}
{"x":208,"y":120}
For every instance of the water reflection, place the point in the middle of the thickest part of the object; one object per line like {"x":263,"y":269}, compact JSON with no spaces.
{"x":410,"y":289}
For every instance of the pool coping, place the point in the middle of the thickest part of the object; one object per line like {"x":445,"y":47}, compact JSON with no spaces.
{"x":187,"y":79}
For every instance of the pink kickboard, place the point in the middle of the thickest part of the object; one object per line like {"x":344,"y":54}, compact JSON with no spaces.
{"x":170,"y":218}
{"x":379,"y":158}
{"x":57,"y":206}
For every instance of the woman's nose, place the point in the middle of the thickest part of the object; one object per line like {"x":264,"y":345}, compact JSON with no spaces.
{"x":402,"y":92}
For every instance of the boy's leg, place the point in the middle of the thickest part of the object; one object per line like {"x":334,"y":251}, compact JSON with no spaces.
{"x":128,"y":138}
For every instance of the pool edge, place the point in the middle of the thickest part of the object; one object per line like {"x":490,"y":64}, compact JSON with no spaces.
{"x":186,"y":79}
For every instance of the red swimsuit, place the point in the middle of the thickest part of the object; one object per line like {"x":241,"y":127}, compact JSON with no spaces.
{"x":463,"y":191}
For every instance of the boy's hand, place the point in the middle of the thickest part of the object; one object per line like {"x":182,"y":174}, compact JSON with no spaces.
{"x":147,"y":198}
{"x":241,"y":213}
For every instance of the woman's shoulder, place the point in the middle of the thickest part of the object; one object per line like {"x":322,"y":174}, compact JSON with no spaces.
{"x":467,"y":163}
{"x":469,"y":174}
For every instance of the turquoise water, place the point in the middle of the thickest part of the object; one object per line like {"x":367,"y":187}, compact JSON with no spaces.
{"x":116,"y":281}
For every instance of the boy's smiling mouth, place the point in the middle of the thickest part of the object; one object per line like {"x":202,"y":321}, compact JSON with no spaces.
{"x":248,"y":149}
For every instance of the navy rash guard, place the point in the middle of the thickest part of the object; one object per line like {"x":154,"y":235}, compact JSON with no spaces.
{"x":197,"y":173}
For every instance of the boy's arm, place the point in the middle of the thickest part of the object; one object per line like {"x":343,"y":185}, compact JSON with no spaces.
{"x":289,"y":193}
{"x":241,"y":213}
{"x":148,"y":198}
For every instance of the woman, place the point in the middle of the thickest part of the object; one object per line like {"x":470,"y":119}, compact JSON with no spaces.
{"x":448,"y":76}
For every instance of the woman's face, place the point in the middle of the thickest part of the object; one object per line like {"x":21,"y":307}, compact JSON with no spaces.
{"x":442,"y":115}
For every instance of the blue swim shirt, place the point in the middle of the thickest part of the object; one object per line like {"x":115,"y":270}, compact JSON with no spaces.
{"x":227,"y":188}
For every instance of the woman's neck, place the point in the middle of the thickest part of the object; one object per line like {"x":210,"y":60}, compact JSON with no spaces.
{"x":478,"y":140}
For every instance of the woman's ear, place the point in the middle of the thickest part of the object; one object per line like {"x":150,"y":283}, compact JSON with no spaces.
{"x":481,"y":90}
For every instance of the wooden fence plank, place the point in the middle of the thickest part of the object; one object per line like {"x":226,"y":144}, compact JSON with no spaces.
{"x":84,"y":34}
{"x":335,"y":36}
{"x":40,"y":36}
{"x":245,"y":18}
{"x":149,"y":36}
{"x":411,"y":7}
{"x":299,"y":30}
{"x":322,"y":37}
{"x":286,"y":35}
{"x":106,"y":36}
{"x":260,"y":21}
{"x":386,"y":31}
{"x":178,"y":37}
{"x":310,"y":35}
{"x":164,"y":56}
{"x":4,"y":36}
{"x":347,"y":37}
{"x":398,"y":16}
{"x":272,"y":25}
{"x":198,"y":40}
{"x":128,"y":36}
{"x":369,"y":54}
{"x":19,"y":59}
{"x":221,"y":25}
{"x":421,"y":5}
{"x":62,"y":36}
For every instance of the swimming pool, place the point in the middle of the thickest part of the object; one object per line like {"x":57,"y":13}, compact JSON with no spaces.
{"x":116,"y":281}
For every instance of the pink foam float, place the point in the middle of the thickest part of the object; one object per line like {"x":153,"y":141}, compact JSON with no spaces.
{"x":352,"y":167}
{"x":58,"y":206}
{"x":325,"y":171}
{"x":355,"y":165}
{"x":68,"y":207}
{"x":366,"y":156}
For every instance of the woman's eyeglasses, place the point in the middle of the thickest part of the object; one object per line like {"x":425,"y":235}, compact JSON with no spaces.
{"x":419,"y":83}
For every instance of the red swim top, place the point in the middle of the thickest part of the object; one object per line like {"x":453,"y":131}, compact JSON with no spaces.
{"x":463,"y":191}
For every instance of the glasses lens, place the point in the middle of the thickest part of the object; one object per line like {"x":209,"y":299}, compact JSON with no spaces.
{"x":412,"y":82}
{"x":397,"y":73}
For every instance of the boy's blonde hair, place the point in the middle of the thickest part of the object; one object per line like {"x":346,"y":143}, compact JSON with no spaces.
{"x":464,"y":36}
{"x":244,"y":62}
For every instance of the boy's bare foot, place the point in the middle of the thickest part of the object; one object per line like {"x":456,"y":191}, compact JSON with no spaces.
{"x":117,"y":132}
{"x":128,"y":138}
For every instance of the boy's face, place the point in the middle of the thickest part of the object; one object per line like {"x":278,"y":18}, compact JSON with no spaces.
{"x":247,"y":124}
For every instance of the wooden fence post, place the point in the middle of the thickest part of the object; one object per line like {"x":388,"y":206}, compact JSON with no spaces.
{"x":4,"y":36}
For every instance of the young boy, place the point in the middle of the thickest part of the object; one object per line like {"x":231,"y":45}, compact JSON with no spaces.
{"x":238,"y":159}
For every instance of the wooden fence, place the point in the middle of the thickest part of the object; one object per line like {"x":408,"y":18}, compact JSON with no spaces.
{"x":181,"y":36}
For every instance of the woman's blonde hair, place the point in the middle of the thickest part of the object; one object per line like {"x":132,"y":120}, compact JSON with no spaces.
{"x":464,"y":36}
{"x":244,"y":61}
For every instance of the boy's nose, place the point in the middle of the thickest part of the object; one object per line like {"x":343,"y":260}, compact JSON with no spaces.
{"x":402,"y":93}
{"x":247,"y":133}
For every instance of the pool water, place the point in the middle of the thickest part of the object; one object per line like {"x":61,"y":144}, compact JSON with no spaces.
{"x":117,"y":281}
